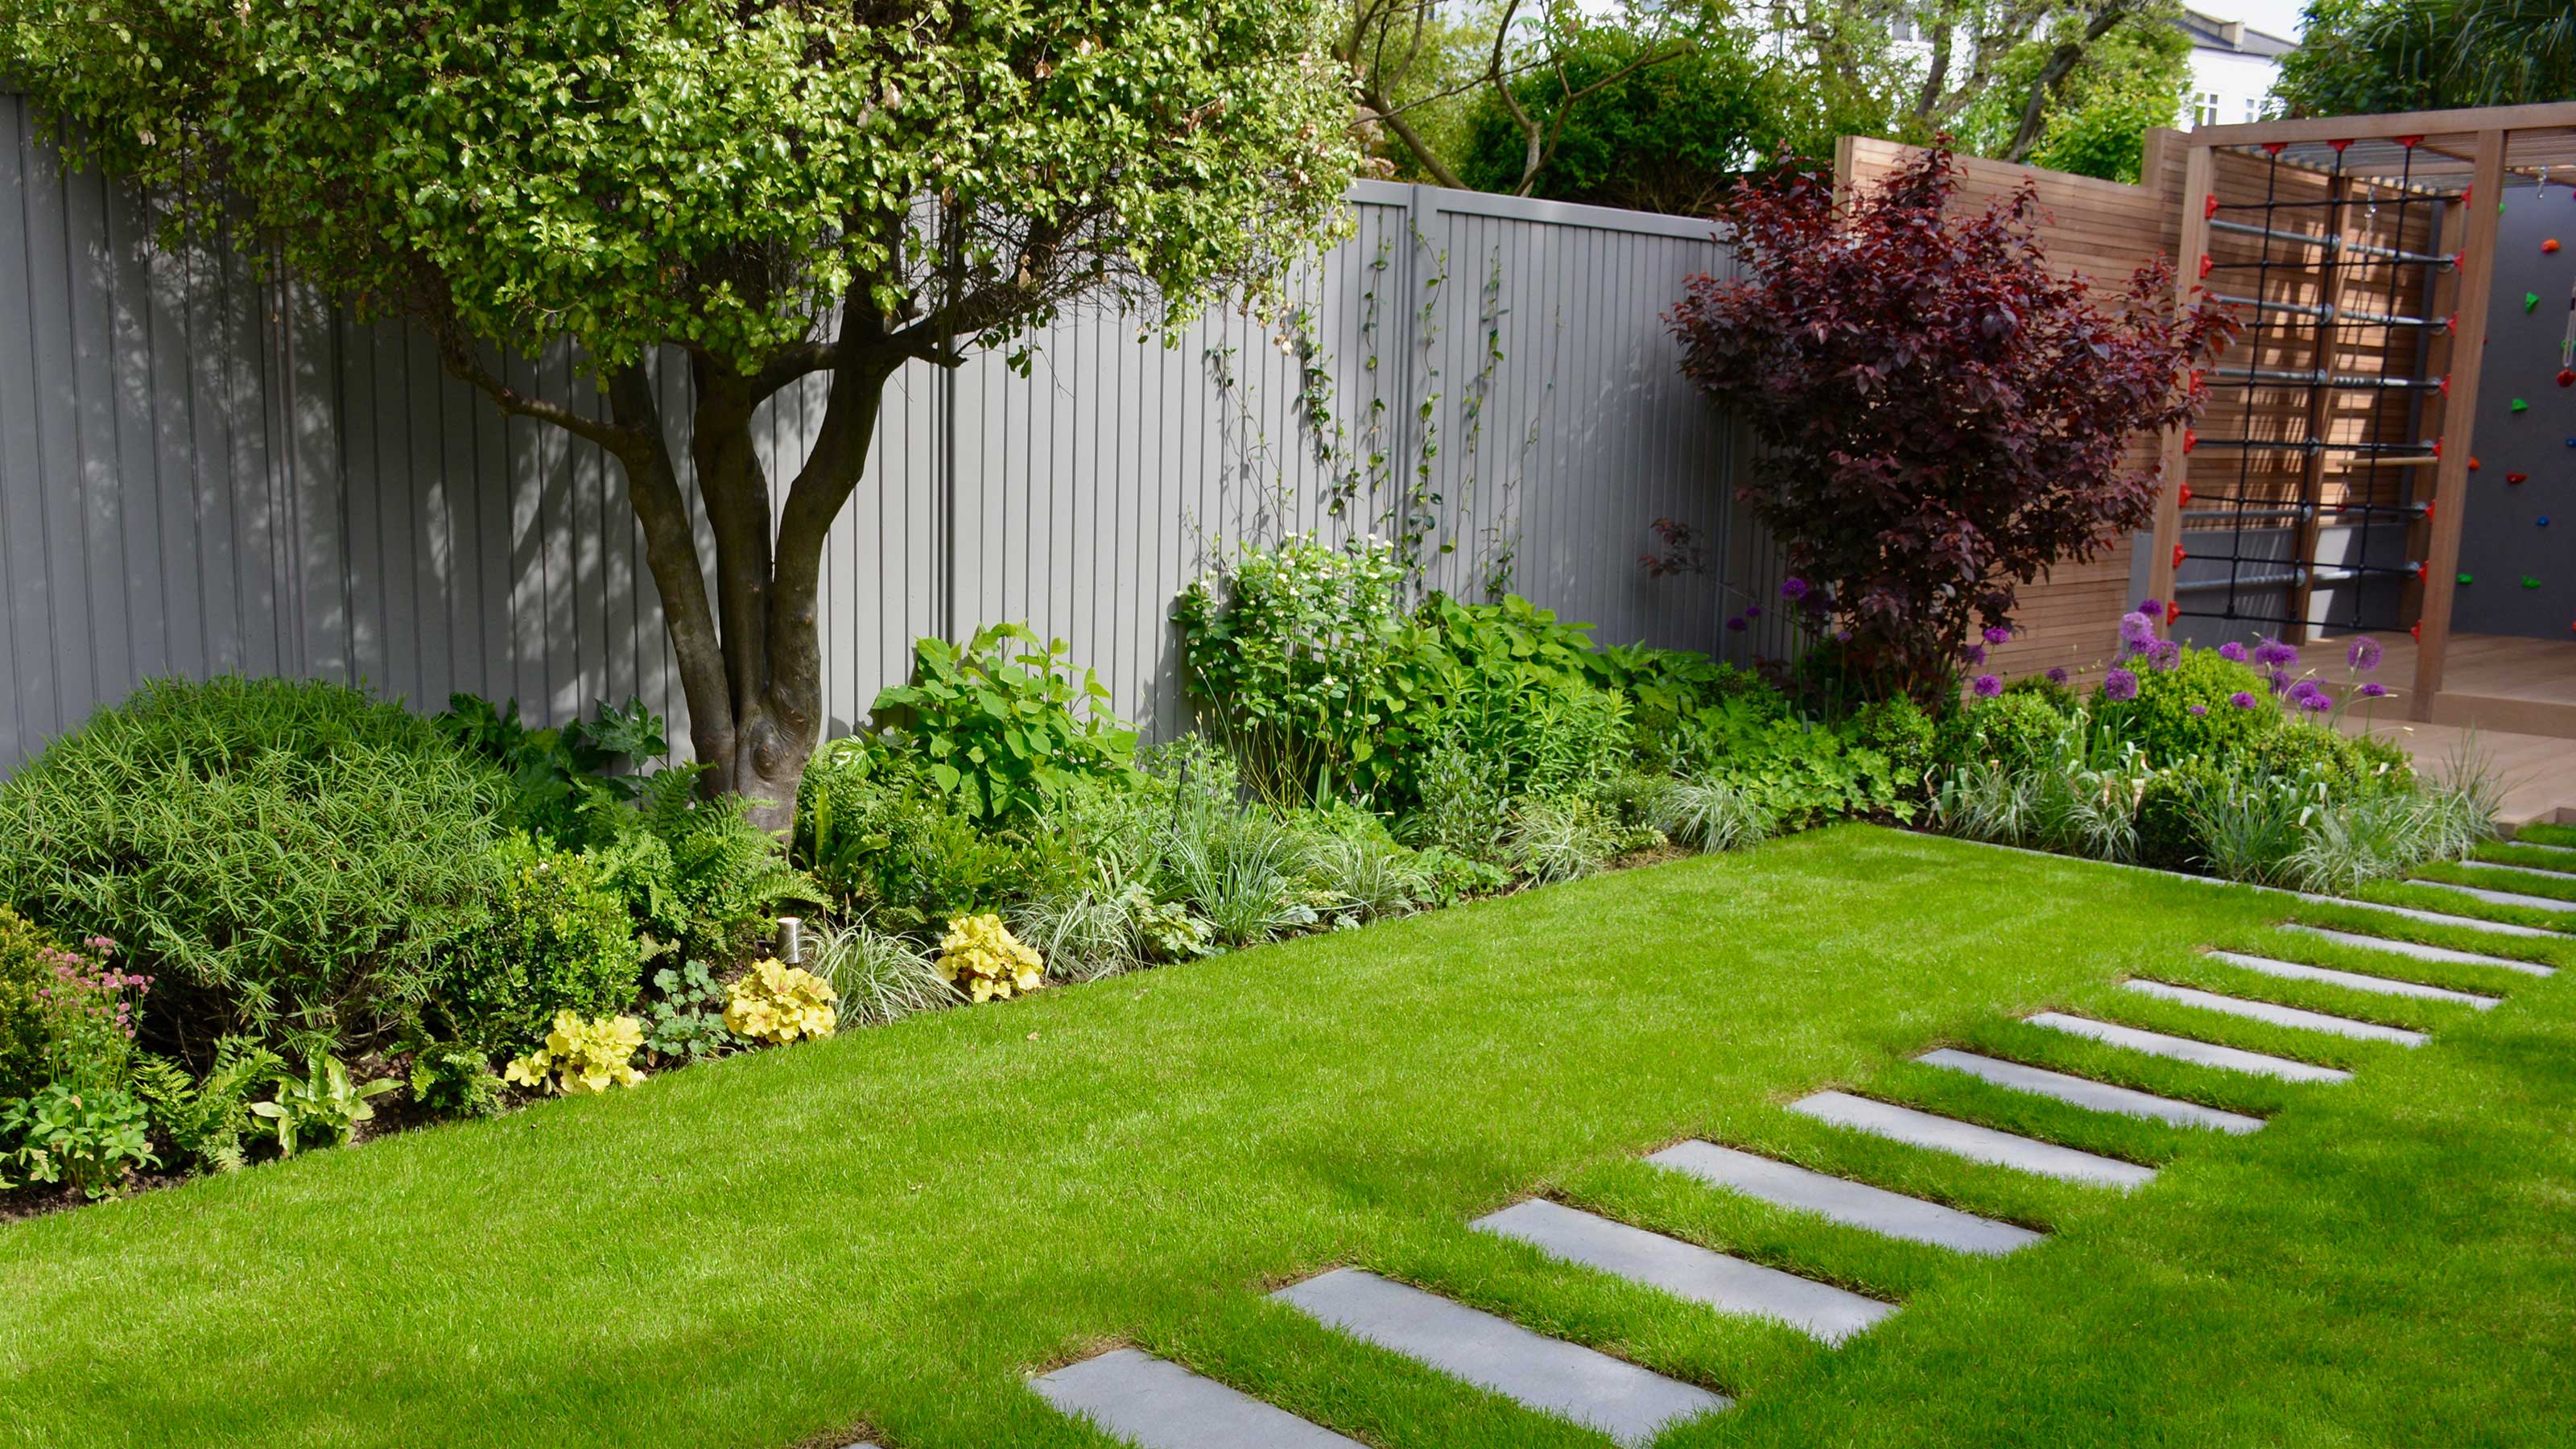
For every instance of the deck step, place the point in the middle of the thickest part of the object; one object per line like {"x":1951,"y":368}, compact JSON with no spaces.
{"x":2422,"y":952}
{"x":1966,"y":1139}
{"x":1156,"y":1404}
{"x":2085,"y":1092}
{"x":1628,"y":1403}
{"x":1853,"y":1204}
{"x":2277,"y":1014}
{"x":2497,"y":898}
{"x":2186,"y":1049}
{"x":2385,"y":986}
{"x":1686,"y":1270}
{"x":2438,"y":918}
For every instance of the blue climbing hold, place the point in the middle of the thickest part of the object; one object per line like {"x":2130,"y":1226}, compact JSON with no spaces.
{"x":2544,"y":520}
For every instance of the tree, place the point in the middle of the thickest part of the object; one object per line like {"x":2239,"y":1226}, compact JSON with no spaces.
{"x":2082,"y":97}
{"x":763,"y":191}
{"x":1942,"y":419}
{"x":2360,"y":57}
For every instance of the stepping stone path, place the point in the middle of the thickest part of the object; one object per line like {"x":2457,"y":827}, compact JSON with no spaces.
{"x":2295,"y":971}
{"x":1628,"y":1403}
{"x":1154,"y":1404}
{"x":1853,"y":1204}
{"x":2185,"y":1049}
{"x":2277,"y":1015}
{"x":1966,"y":1139}
{"x":2498,"y":898}
{"x":2541,"y":872}
{"x":2500,"y":928}
{"x":2085,"y":1092}
{"x":2422,"y":952}
{"x":1686,"y":1270}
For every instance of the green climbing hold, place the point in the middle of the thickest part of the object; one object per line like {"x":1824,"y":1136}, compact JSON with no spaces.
{"x":2529,"y":582}
{"x":2530,"y":301}
{"x":2464,"y":578}
{"x":2520,"y":406}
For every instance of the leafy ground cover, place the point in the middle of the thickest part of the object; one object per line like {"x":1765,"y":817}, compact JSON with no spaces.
{"x":890,"y":1229}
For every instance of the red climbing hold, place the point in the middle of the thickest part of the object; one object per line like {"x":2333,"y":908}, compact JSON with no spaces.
{"x":2428,"y":508}
{"x":2209,"y":206}
{"x":2446,"y":384}
{"x":2416,"y":629}
{"x":2419,"y":570}
{"x":2275,"y":147}
{"x":2204,"y":264}
{"x":2190,"y":440}
{"x":2567,"y":377}
{"x":2473,"y":462}
{"x":2451,"y":324}
{"x":2550,"y":246}
{"x":2409,"y":142}
{"x":2179,"y":555}
{"x":2517,"y":477}
{"x":2184,"y":497}
{"x":2173,"y":611}
{"x":2339,"y":145}
{"x":2437,"y":447}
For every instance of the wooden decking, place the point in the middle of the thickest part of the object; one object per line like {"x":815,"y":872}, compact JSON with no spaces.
{"x":2538,"y":772}
{"x":2495,"y":682}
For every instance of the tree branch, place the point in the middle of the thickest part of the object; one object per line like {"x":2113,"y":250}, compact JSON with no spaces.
{"x":458,"y":356}
{"x":671,"y":551}
{"x":2052,"y":79}
{"x":1413,"y":141}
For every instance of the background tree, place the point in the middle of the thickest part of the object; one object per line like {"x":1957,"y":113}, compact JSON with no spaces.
{"x":2360,"y":57}
{"x":759,"y":191}
{"x":1942,"y":418}
{"x":2082,"y":96}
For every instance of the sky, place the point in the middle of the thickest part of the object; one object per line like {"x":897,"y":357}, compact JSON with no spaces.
{"x":2272,"y":17}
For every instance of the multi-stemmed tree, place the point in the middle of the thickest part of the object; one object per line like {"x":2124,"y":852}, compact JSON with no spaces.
{"x":762,"y":191}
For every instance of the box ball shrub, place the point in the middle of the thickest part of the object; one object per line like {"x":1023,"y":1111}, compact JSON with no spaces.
{"x":559,"y":938}
{"x":282,"y":855}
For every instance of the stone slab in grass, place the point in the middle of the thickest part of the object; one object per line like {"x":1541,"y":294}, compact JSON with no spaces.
{"x":2186,"y":1049}
{"x":2497,"y":898}
{"x":2385,"y":986}
{"x":2422,"y":952}
{"x":1156,"y":1404}
{"x":2467,"y":923}
{"x":1966,"y":1139}
{"x":1686,"y":1270}
{"x":2277,"y":1014}
{"x":1628,"y":1403}
{"x":2559,"y":874}
{"x":2085,"y":1092}
{"x":1853,"y":1204}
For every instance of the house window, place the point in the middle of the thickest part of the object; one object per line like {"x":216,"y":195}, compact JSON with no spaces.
{"x":1904,"y":31}
{"x":2253,"y":111}
{"x":2204,"y":110}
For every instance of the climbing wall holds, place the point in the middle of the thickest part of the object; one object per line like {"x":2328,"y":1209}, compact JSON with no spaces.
{"x":2531,"y":301}
{"x":2473,"y":462}
{"x":2567,"y":377}
{"x":2184,"y":497}
{"x":2179,"y":556}
{"x":2529,"y":582}
{"x":2466,"y":578}
{"x":2543,"y":520}
{"x":2550,"y":246}
{"x":2520,"y":406}
{"x":2517,"y":477}
{"x":2416,"y":629}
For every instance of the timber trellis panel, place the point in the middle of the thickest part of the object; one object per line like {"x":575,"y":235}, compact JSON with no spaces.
{"x":204,"y":470}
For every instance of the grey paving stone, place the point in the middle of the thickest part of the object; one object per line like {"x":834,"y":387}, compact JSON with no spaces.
{"x":1686,"y":1270}
{"x":1156,"y":1404}
{"x":1853,"y":1204}
{"x":2423,"y":952}
{"x":2085,"y":1092}
{"x":1628,"y":1403}
{"x":2537,"y":845}
{"x":2276,"y":1014}
{"x":2498,"y":898}
{"x":2472,"y":923}
{"x":2185,"y":1049}
{"x":1966,"y":1139}
{"x":2385,"y":986}
{"x":2507,"y":868}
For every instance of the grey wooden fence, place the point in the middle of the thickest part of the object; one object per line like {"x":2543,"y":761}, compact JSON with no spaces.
{"x":204,"y":469}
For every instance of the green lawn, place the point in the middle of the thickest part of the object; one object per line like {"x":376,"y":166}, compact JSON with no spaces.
{"x":893,"y":1228}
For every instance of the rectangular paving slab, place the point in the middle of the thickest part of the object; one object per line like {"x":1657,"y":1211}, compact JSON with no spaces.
{"x":2560,"y":874}
{"x":1853,"y":1204}
{"x":1155,"y":1404}
{"x":1628,"y":1403}
{"x":2385,"y":986}
{"x":1686,"y":1270}
{"x":2499,"y":898}
{"x":1966,"y":1139}
{"x":2276,"y":1014}
{"x":2085,"y":1092}
{"x":2471,"y":923}
{"x":2422,"y":952}
{"x":2186,"y":1049}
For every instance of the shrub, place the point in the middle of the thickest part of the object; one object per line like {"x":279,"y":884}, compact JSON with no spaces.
{"x":696,"y":873}
{"x":564,"y":783}
{"x":558,"y":939}
{"x":778,"y":1003}
{"x":1943,"y":418}
{"x":2016,"y":730}
{"x":322,"y":1107}
{"x":981,"y":956}
{"x":581,"y":1057}
{"x":905,"y":855}
{"x":66,"y":1014}
{"x":280,"y":856}
{"x":455,"y":1081}
{"x":85,"y":1139}
{"x":1002,"y":733}
{"x":207,"y":1119}
{"x":2160,"y":721}
{"x":1898,"y":729}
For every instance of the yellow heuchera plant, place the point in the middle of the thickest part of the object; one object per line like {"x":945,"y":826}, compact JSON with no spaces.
{"x":778,"y":1003}
{"x":981,"y":955}
{"x":581,"y":1057}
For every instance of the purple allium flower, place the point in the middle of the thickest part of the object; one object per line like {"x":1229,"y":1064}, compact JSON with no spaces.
{"x":2057,"y":674}
{"x":1987,"y":686}
{"x":2374,"y":690}
{"x":2280,"y":679}
{"x":2364,"y":653}
{"x":2119,"y":686}
{"x":2152,"y":607}
{"x":2306,"y":693}
{"x":1842,"y":636}
{"x":1736,"y":623}
{"x":2316,"y":702}
{"x":2137,"y":631}
{"x":1793,"y":589}
{"x":2197,"y":709}
{"x":1753,"y":611}
{"x":1974,"y":654}
{"x":2164,"y":655}
{"x":2242,"y":699}
{"x":2232,"y":652}
{"x":1998,"y":634}
{"x":2273,"y":653}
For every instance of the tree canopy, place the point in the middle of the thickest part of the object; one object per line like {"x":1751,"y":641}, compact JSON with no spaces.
{"x":765,"y":190}
{"x":2362,"y":57}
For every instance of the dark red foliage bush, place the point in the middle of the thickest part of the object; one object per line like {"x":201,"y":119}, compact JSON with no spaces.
{"x":1941,"y":418}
